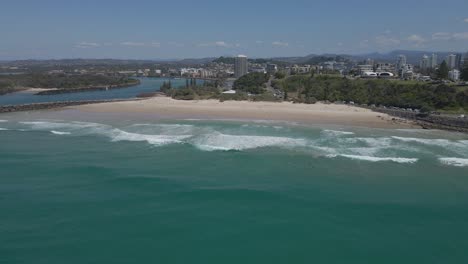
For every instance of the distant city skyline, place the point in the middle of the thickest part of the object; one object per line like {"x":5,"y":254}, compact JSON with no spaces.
{"x":53,"y":29}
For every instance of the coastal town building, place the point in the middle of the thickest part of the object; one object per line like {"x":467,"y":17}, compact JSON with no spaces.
{"x":433,"y":62}
{"x":258,"y":69}
{"x":406,"y":72}
{"x":369,"y":62}
{"x":385,"y":67}
{"x":271,"y":68}
{"x":401,"y":62}
{"x":365,"y":68}
{"x":425,"y":63}
{"x":240,"y":66}
{"x":301,"y":69}
{"x":454,"y":75}
{"x":452,"y":61}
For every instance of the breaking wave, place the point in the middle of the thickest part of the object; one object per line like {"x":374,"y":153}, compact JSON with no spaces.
{"x":337,"y":133}
{"x":457,"y":162}
{"x":114,"y":134}
{"x":376,"y":159}
{"x":329,"y":143}
{"x":426,"y":141}
{"x":218,"y":141}
{"x":59,"y":132}
{"x":157,"y":140}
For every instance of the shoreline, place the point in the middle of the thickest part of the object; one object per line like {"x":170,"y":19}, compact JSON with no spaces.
{"x":330,"y":114}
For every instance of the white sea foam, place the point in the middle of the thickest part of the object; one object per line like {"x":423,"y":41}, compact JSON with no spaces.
{"x":3,"y":121}
{"x":218,"y":141}
{"x":426,"y":141}
{"x":114,"y":134}
{"x":380,"y":142}
{"x":337,"y":132}
{"x":375,"y":159}
{"x":156,"y":140}
{"x":457,"y":146}
{"x":364,"y":151}
{"x":44,"y":125}
{"x":3,"y":129}
{"x":457,"y":162}
{"x":59,"y":132}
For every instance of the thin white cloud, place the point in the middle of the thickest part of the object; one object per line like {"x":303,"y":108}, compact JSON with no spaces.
{"x":133,"y":44}
{"x":450,"y":36}
{"x":85,"y":45}
{"x":460,"y":36}
{"x":259,"y":42}
{"x":279,"y":44}
{"x":466,"y":20}
{"x":441,"y":36}
{"x":387,"y":41}
{"x":416,"y":40}
{"x":221,"y":44}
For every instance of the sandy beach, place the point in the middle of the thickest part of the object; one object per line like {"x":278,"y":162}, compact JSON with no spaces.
{"x":37,"y":90}
{"x":164,"y":107}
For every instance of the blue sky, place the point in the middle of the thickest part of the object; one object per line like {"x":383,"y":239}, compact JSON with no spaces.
{"x":193,"y":29}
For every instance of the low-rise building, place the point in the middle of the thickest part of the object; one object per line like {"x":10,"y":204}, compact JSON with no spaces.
{"x":454,"y":75}
{"x":365,"y":68}
{"x":271,"y":68}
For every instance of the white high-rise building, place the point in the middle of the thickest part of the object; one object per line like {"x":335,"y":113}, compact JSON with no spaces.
{"x":424,"y":62}
{"x":401,"y":62}
{"x":434,"y":62}
{"x":240,"y":66}
{"x":452,"y":61}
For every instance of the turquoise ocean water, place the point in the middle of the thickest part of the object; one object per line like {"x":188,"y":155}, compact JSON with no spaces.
{"x":101,"y":189}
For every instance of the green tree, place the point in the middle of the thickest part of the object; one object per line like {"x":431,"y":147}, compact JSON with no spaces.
{"x":252,"y":83}
{"x":442,"y":72}
{"x":280,"y":75}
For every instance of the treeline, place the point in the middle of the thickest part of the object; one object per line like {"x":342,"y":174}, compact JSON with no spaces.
{"x":379,"y":92}
{"x":192,"y":90}
{"x":253,"y":83}
{"x":6,"y":86}
{"x":62,"y":81}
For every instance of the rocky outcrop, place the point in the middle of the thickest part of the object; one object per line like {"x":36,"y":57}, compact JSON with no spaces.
{"x":430,"y":121}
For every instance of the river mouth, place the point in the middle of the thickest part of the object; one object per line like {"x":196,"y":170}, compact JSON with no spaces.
{"x":147,"y":85}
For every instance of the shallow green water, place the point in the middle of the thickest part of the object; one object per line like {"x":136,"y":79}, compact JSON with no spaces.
{"x":229,"y":192}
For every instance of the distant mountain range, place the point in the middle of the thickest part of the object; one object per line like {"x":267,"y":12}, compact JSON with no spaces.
{"x":413,"y":57}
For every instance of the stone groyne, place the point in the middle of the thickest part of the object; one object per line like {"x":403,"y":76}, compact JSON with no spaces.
{"x":88,"y":89}
{"x":52,"y":105}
